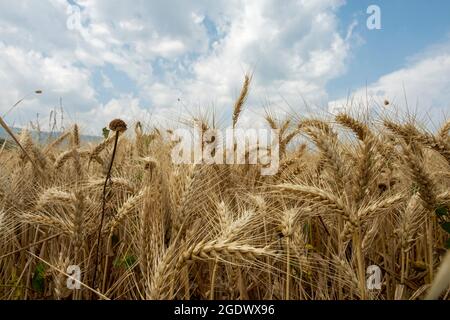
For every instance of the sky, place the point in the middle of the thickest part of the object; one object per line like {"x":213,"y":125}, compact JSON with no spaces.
{"x":162,"y":61}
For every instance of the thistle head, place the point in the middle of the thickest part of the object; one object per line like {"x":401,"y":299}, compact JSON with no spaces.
{"x":118,"y":125}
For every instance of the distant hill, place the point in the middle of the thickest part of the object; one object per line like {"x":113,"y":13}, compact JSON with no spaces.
{"x":43,"y":137}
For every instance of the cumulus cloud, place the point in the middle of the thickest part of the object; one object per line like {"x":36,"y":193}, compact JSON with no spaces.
{"x":424,"y":81}
{"x":23,"y":71}
{"x":126,"y":107}
{"x":170,"y":51}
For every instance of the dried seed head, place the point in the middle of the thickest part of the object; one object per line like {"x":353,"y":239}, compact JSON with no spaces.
{"x":118,"y":125}
{"x":138,"y":129}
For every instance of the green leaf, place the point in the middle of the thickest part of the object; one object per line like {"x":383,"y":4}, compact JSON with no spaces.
{"x":447,"y":244}
{"x":129,"y":261}
{"x":441,"y":211}
{"x":126,"y":262}
{"x":38,"y":280}
{"x":306,"y":228}
{"x":105,"y":132}
{"x":40,"y":268}
{"x":446,"y":226}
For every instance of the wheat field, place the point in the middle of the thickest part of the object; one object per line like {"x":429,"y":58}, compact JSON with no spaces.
{"x":351,"y":192}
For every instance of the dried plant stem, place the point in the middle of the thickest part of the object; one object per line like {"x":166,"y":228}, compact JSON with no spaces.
{"x":360,"y":262}
{"x":288,"y":268}
{"x":13,"y":136}
{"x":31,"y":245}
{"x":108,"y":176}
{"x":65,"y":274}
{"x":213,"y":279}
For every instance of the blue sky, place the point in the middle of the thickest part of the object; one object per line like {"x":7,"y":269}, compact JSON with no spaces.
{"x":156,"y":61}
{"x":408,"y":27}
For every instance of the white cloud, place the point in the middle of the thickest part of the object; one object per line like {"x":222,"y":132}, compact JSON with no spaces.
{"x":293,"y":50}
{"x":198,"y":52}
{"x":23,"y":71}
{"x":425,"y":81}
